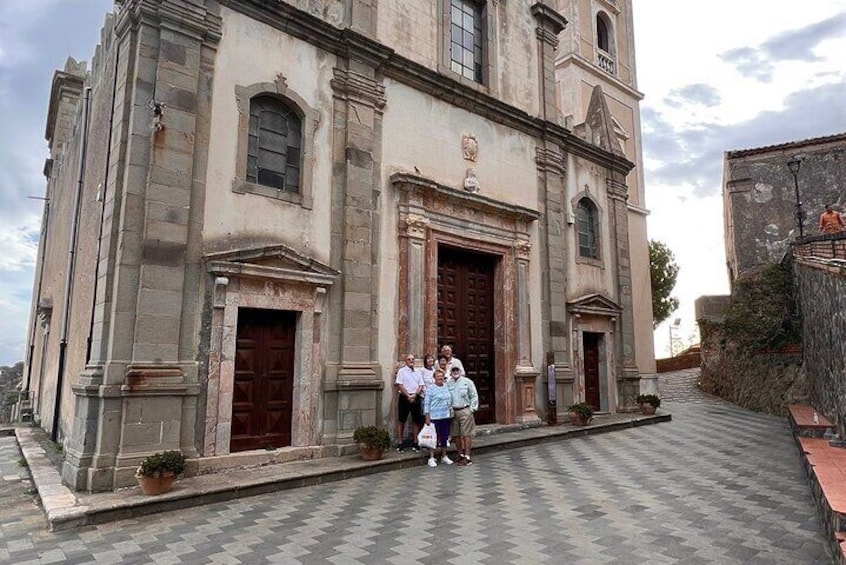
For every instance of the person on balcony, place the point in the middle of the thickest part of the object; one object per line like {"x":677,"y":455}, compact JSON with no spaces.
{"x":831,"y":221}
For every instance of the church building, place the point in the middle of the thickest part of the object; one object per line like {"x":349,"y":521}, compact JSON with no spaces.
{"x":256,"y":208}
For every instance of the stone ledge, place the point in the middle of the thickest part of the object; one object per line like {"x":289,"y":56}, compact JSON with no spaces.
{"x":826,"y":470}
{"x":801,"y":419}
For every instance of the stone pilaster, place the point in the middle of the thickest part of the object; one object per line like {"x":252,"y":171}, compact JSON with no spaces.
{"x":552,"y":194}
{"x":139,"y":392}
{"x":415,"y":284}
{"x":353,"y":377}
{"x":629,"y":377}
{"x":526,"y":374}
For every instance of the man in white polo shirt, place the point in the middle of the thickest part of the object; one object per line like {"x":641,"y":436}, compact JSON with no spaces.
{"x":410,"y":389}
{"x":446,"y":353}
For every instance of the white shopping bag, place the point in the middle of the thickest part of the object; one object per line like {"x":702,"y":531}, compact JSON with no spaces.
{"x":428,"y":437}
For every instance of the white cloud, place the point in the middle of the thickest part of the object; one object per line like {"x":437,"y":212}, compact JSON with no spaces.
{"x":777,"y":76}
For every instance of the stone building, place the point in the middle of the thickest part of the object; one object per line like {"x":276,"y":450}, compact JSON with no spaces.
{"x":759,"y":197}
{"x":269,"y":203}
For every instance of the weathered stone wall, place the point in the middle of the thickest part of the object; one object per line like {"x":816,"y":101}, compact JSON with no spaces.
{"x":764,"y":382}
{"x":822,"y":293}
{"x":760,"y":200}
{"x":685,"y":361}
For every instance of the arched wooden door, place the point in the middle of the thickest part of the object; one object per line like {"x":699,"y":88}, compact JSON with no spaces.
{"x":466,"y":319}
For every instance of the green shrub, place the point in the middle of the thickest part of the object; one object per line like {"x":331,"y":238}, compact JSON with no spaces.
{"x":650,"y":399}
{"x":159,"y":464}
{"x":583,"y":409}
{"x":372,"y":437}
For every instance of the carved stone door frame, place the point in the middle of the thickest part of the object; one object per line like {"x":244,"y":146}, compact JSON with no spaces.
{"x":431,"y":215}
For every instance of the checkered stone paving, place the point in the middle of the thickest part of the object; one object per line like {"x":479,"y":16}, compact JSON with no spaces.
{"x":718,"y":484}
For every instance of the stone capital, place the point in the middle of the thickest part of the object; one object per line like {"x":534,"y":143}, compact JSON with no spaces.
{"x":358,"y":88}
{"x":617,"y":190}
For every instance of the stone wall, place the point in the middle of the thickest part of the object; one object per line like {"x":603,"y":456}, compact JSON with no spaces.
{"x":689,"y":360}
{"x":764,"y":381}
{"x":822,"y":293}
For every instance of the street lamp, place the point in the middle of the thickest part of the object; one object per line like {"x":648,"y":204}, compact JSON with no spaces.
{"x":794,"y":165}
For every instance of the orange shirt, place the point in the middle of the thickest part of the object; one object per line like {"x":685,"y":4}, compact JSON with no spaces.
{"x":831,"y":222}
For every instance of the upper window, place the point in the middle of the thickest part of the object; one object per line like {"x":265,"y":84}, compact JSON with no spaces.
{"x":274,"y":144}
{"x":602,"y":38}
{"x":466,"y":38}
{"x":587,"y":223}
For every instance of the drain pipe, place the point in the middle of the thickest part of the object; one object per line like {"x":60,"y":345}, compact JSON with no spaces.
{"x":63,"y":343}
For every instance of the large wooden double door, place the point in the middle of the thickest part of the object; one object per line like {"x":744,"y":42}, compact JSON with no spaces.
{"x":263,"y":389}
{"x":466,"y":319}
{"x":591,"y":342}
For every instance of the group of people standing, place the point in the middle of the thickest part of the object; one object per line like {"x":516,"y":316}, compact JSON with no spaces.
{"x":440,"y":394}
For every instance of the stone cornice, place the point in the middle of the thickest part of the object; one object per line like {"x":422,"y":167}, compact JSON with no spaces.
{"x":616,"y":190}
{"x":179,"y":15}
{"x":582,"y":63}
{"x":349,"y":44}
{"x":64,"y":84}
{"x":549,"y":19}
{"x":410,"y":182}
{"x":548,"y":160}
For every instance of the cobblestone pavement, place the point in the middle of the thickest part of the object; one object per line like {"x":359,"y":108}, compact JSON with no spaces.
{"x":682,"y":386}
{"x":718,"y":484}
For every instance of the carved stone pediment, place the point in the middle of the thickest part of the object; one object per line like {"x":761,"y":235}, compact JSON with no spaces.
{"x":594,"y":304}
{"x":273,"y":262}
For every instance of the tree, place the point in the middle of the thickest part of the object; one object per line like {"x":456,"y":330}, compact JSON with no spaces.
{"x":663,"y":272}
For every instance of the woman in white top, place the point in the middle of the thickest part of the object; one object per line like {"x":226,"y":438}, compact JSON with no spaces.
{"x":428,"y":371}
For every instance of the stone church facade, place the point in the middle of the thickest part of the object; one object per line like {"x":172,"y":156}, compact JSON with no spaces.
{"x":255,"y":209}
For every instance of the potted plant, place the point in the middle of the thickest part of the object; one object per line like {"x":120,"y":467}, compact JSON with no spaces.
{"x":648,"y":403}
{"x":580,"y":413}
{"x":372,"y":442}
{"x":156,"y":473}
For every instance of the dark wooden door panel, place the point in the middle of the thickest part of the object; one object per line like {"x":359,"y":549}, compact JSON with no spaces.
{"x":264,"y":379}
{"x":466,"y":319}
{"x":591,"y":348}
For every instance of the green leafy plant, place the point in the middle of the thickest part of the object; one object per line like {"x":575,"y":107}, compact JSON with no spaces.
{"x":160,"y":464}
{"x":650,"y":399}
{"x":22,"y":462}
{"x":583,"y":409}
{"x":58,"y":447}
{"x":372,"y":437}
{"x":762,"y":313}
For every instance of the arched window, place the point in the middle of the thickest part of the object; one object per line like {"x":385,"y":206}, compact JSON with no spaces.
{"x":274,"y":144}
{"x":602,"y":38}
{"x":603,"y":35}
{"x":588,"y":218}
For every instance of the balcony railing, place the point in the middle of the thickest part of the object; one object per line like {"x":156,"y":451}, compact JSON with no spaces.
{"x":606,"y":62}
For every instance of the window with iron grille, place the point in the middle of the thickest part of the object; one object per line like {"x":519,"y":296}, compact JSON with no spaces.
{"x":587,"y":220}
{"x":274,"y":144}
{"x":466,"y":38}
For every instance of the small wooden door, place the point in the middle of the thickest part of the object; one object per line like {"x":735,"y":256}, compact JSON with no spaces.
{"x":591,"y":356}
{"x":466,"y":319}
{"x":264,"y":379}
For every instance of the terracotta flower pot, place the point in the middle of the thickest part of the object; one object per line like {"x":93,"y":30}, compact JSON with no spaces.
{"x":370,"y":453}
{"x":152,"y":486}
{"x":576,"y":419}
{"x":647,"y":409}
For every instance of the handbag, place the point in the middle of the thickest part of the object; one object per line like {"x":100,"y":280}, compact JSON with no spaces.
{"x":428,"y":437}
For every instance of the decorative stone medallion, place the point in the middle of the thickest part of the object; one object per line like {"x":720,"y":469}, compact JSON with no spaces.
{"x":470,"y":146}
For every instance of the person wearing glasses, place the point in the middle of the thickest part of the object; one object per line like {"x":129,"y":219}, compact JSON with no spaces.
{"x":410,"y":387}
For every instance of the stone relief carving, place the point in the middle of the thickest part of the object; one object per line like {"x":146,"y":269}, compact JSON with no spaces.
{"x":523,"y":248}
{"x":416,"y":225}
{"x":281,"y":83}
{"x":470,"y":146}
{"x":471,"y":183}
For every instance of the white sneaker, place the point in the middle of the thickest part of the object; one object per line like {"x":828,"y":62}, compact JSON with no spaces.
{"x":432,"y":462}
{"x":446,"y":460}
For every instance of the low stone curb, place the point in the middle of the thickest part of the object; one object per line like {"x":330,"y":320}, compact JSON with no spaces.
{"x":66,"y":509}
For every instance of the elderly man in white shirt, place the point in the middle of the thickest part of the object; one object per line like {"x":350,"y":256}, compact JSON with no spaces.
{"x":410,"y":388}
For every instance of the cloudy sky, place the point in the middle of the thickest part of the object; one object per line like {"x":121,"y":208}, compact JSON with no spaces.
{"x":718,"y":75}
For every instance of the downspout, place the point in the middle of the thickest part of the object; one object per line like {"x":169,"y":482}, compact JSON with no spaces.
{"x":63,"y":340}
{"x":45,"y":223}
{"x":101,"y":195}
